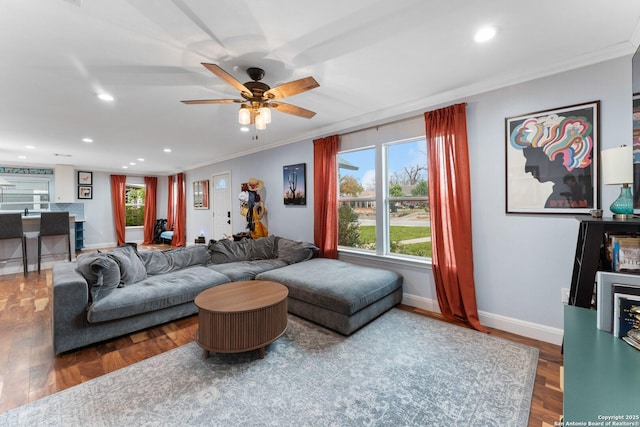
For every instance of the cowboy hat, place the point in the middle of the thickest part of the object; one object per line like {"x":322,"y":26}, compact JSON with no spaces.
{"x":259,"y":210}
{"x":255,"y":184}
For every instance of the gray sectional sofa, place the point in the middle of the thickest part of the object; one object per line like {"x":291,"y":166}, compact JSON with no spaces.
{"x":104,"y":295}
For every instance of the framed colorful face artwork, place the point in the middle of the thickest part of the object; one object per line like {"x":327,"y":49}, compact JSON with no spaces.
{"x":552,"y":161}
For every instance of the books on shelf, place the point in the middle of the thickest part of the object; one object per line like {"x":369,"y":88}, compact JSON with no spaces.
{"x":626,"y":313}
{"x":625,"y":253}
{"x":633,"y":338}
{"x":608,"y":283}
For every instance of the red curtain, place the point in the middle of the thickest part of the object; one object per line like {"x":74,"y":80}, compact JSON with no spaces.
{"x":450,"y":206}
{"x":170,"y":203}
{"x":118,"y":189}
{"x":325,"y":196}
{"x":151,"y":187}
{"x":180,"y":220}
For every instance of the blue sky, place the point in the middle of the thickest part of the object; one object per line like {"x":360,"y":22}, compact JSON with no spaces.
{"x":400,"y":155}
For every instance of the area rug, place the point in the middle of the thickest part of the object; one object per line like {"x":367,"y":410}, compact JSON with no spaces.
{"x":403,"y":369}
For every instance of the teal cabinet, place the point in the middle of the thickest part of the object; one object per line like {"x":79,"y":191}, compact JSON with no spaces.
{"x":601,"y":374}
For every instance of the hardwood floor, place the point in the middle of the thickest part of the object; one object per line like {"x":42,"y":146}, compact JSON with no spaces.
{"x":29,"y":370}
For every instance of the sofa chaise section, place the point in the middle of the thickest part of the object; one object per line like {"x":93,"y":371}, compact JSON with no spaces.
{"x":337,"y":294}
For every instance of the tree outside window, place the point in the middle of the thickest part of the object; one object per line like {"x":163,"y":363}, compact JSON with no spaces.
{"x":134,"y":205}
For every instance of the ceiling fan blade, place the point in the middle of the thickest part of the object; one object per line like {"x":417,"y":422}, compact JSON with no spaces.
{"x":212,"y":101}
{"x":227,"y":77}
{"x":292,"y":88}
{"x":292,"y":109}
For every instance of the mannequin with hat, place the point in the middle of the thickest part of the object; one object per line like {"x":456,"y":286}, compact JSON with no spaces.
{"x":252,"y":207}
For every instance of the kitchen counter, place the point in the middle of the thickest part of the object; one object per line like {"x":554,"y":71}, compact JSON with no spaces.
{"x":54,"y":248}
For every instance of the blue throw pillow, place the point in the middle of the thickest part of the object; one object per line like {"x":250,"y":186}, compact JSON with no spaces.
{"x":101,"y":273}
{"x":292,"y":251}
{"x":131,"y":266}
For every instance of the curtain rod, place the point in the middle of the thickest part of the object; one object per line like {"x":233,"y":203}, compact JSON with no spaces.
{"x":391,"y":122}
{"x":382,"y":124}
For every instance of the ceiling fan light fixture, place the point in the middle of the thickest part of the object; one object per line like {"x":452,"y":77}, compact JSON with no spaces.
{"x":244,"y":115}
{"x":256,"y":96}
{"x":265,"y":112}
{"x":260,"y":122}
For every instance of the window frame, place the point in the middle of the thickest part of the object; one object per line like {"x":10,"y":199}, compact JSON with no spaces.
{"x":383,"y":203}
{"x":143,"y":204}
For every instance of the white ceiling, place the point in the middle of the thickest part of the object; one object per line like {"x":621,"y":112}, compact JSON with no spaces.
{"x":374,"y":60}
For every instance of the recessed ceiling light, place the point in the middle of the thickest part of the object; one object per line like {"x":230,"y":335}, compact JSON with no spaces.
{"x":87,"y":140}
{"x":22,"y":157}
{"x":167,"y":150}
{"x":125,"y":167}
{"x":132,"y":163}
{"x":106,"y":97}
{"x":29,"y":147}
{"x":141,"y":160}
{"x":485,"y":34}
{"x":244,"y":129}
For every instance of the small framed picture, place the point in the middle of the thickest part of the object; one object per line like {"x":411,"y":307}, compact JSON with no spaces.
{"x":294,"y":184}
{"x":85,"y":178}
{"x":85,"y":192}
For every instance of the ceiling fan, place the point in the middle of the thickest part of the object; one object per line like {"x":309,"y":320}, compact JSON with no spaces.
{"x":259,"y":98}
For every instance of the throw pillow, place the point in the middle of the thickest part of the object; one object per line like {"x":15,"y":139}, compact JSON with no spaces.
{"x":263,"y":248}
{"x":131,"y":266}
{"x":101,"y":273}
{"x":156,"y":262}
{"x":224,"y":251}
{"x":187,"y":256}
{"x":292,"y":251}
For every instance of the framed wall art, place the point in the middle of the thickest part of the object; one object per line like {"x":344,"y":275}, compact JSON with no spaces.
{"x":201,"y":194}
{"x":294,"y":184}
{"x":552,"y":161}
{"x":85,"y":178}
{"x":85,"y":192}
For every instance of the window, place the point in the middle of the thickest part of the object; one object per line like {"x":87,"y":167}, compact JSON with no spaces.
{"x":25,"y":193}
{"x":134,"y":205}
{"x":385,"y":209}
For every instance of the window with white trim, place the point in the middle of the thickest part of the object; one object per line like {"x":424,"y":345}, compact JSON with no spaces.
{"x":134,"y":204}
{"x":383,"y":204}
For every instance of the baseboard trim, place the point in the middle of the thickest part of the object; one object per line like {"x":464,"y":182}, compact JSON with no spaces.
{"x":497,"y":321}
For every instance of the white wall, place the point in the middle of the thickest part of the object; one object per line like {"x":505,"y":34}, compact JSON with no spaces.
{"x":295,"y":222}
{"x":521,"y":262}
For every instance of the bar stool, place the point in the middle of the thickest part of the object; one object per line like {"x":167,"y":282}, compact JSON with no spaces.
{"x":53,"y":224}
{"x":11,"y":228}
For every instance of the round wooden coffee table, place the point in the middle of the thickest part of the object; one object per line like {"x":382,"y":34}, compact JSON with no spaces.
{"x":241,"y":316}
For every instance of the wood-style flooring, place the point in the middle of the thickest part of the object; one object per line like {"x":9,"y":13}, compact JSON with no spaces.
{"x":30,"y":371}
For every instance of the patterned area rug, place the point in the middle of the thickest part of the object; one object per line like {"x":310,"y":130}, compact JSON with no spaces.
{"x":401,"y":370}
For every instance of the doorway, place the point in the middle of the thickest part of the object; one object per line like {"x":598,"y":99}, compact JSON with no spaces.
{"x":221,"y":200}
